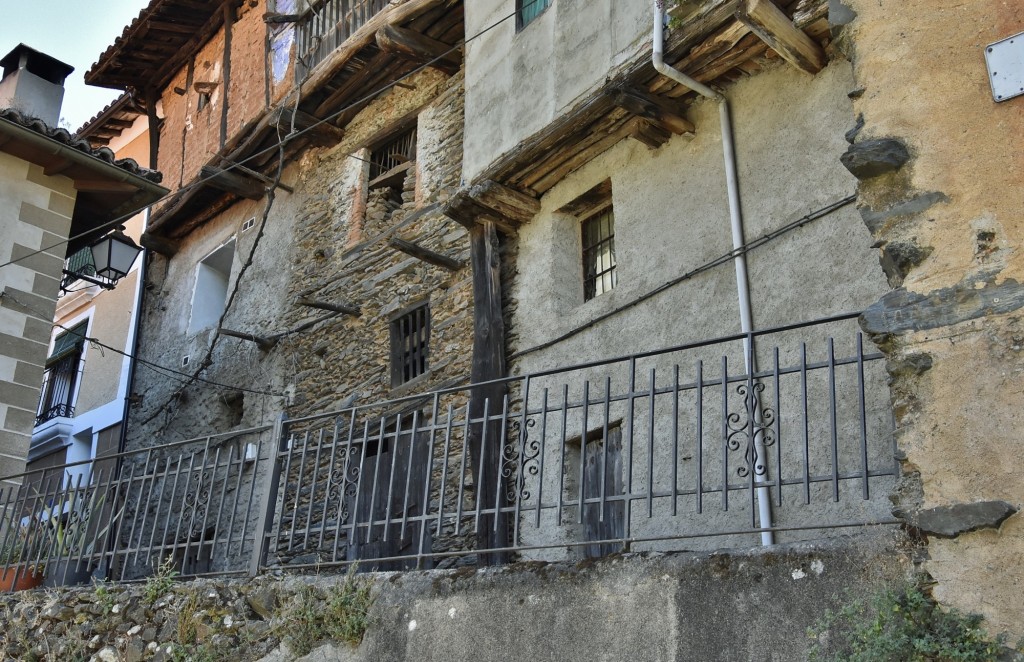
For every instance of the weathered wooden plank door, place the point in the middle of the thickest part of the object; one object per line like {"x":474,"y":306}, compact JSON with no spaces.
{"x":401,"y":466}
{"x":603,"y":465}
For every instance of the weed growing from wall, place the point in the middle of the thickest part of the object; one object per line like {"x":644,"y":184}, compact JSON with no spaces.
{"x":340,"y":614}
{"x":900,"y":625}
{"x":161,"y":582}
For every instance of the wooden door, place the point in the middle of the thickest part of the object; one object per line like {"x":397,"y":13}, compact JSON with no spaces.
{"x":603,"y":466}
{"x":400,"y":464}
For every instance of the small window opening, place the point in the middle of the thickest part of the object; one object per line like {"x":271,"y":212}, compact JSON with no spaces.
{"x":390,"y":165}
{"x":410,"y":340}
{"x":61,"y":375}
{"x":210,"y":295}
{"x":527,"y":10}
{"x":599,"y":254}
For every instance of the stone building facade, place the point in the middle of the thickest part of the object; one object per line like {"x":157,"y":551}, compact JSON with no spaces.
{"x":53,"y":187}
{"x":583,"y":228}
{"x":286,"y":300}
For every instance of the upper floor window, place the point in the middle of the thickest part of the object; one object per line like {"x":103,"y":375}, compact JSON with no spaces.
{"x":599,"y":254}
{"x":410,"y":344}
{"x":211,"y":293}
{"x":392,"y":179}
{"x":527,"y":10}
{"x":61,"y":376}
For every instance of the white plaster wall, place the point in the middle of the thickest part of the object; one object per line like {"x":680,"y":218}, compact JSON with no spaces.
{"x":671,"y":217}
{"x":516,"y":83}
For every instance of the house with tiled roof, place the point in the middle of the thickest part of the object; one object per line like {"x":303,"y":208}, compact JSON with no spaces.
{"x":58,"y":195}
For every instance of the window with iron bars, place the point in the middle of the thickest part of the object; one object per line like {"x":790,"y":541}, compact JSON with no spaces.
{"x":61,"y":375}
{"x":395,"y":152}
{"x":527,"y":10}
{"x":599,"y":254}
{"x":410,"y":345}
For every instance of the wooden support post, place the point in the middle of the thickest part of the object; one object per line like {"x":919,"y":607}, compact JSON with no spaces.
{"x":486,"y":438}
{"x":152,"y":96}
{"x":418,"y":48}
{"x":265,"y":344}
{"x":774,"y":28}
{"x":333,"y":307}
{"x":233,"y":182}
{"x":425,"y":254}
{"x":655,"y":110}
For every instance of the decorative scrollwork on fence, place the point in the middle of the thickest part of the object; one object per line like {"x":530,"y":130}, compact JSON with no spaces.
{"x":519,"y":458}
{"x":342,"y":485}
{"x":744,"y":429}
{"x":197,"y":501}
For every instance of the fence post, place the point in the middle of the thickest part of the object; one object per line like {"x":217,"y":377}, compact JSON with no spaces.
{"x":268,"y":496}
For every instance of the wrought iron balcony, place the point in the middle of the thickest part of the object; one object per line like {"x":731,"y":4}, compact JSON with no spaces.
{"x":58,"y":392}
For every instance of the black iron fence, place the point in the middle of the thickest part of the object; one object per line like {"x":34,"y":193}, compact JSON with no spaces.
{"x":326,"y":25}
{"x":785,"y":432}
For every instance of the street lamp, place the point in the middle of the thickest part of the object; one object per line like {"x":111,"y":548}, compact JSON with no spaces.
{"x":104,"y":262}
{"x":114,"y":255}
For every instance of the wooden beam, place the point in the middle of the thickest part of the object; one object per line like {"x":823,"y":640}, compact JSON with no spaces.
{"x":271,"y":17}
{"x":486,"y":437}
{"x":776,"y":29}
{"x":394,"y":177}
{"x":346,"y":309}
{"x":418,"y":48}
{"x":364,"y":36}
{"x":505,"y":202}
{"x":162,"y":245}
{"x":654,"y":109}
{"x":425,"y":254}
{"x":646,"y":132}
{"x":265,"y":344}
{"x":233,"y":182}
{"x":322,"y":133}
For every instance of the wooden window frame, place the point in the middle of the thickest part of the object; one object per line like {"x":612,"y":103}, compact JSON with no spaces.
{"x":410,"y":344}
{"x":590,"y":254}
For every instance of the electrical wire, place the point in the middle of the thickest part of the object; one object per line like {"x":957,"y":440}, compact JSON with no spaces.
{"x":156,"y":367}
{"x":281,"y":141}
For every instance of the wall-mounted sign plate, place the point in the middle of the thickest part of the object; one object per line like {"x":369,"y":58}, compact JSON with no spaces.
{"x":1005,"y":60}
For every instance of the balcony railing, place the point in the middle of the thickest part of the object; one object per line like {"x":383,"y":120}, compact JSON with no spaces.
{"x":679,"y":448}
{"x":326,"y":25}
{"x":58,"y":391}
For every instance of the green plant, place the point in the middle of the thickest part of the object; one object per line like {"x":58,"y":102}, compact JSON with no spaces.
{"x":901,"y":625}
{"x":161,"y":582}
{"x":104,"y":598}
{"x":340,"y":615}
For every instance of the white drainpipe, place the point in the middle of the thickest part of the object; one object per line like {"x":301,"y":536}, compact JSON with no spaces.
{"x":764,"y":509}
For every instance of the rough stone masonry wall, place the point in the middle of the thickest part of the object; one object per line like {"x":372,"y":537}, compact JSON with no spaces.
{"x":718,"y":606}
{"x":941,"y":167}
{"x":342,"y":255}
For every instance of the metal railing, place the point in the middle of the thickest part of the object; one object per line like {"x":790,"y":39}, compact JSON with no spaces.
{"x":127,"y":513}
{"x":326,"y":25}
{"x":637,"y":452}
{"x":58,"y":390}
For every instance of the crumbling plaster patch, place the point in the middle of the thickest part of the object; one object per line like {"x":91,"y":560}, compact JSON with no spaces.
{"x":921,"y":65}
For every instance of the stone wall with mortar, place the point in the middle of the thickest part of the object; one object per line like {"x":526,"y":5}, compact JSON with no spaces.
{"x":718,"y":606}
{"x":941,"y":167}
{"x":323,"y":242}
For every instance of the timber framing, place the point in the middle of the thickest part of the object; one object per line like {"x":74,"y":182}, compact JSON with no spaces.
{"x":425,"y":254}
{"x":330,"y":96}
{"x":721,"y":42}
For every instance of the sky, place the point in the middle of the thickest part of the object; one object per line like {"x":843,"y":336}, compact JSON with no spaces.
{"x":73,"y":31}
